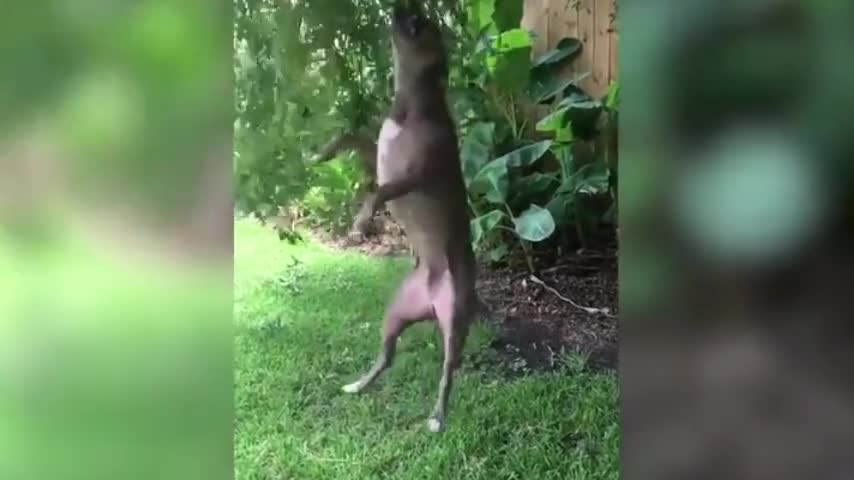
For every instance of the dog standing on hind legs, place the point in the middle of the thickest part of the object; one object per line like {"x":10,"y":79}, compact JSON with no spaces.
{"x":419,"y":175}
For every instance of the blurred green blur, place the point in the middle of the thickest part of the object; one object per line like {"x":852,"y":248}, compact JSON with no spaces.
{"x":115,"y":240}
{"x":737,"y":228}
{"x":736,"y":130}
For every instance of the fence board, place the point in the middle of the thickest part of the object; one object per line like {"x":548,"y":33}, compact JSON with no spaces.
{"x":601,"y":47}
{"x":592,"y":22}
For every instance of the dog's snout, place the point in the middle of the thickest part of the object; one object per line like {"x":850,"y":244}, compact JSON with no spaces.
{"x":406,"y":14}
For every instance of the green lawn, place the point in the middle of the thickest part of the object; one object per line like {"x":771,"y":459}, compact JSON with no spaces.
{"x":307,"y":322}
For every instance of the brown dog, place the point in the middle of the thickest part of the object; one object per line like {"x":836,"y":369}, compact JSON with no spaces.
{"x":419,"y":175}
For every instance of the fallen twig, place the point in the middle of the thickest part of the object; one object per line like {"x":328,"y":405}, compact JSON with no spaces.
{"x":604,"y":311}
{"x":567,"y":266}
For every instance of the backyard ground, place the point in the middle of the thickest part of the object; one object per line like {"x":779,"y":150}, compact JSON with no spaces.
{"x":525,"y":403}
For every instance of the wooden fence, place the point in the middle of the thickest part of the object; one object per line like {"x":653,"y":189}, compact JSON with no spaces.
{"x":592,"y":22}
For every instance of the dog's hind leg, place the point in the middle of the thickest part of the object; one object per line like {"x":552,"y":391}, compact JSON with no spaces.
{"x":453,"y":315}
{"x":410,"y":304}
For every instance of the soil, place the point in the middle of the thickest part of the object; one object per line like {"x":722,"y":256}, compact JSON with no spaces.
{"x":535,"y":325}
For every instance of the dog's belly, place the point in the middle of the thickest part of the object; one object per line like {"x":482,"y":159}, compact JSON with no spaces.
{"x":426,"y":231}
{"x":423,"y":214}
{"x":387,"y":167}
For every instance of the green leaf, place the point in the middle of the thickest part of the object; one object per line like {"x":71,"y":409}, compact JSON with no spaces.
{"x":513,"y":39}
{"x":493,"y":181}
{"x":498,"y":253}
{"x":547,"y":82}
{"x":553,"y":121}
{"x":507,"y":14}
{"x":545,"y":87}
{"x":510,"y":60}
{"x":535,"y":224}
{"x":580,"y":101}
{"x":480,"y":13}
{"x":560,"y":207}
{"x":510,"y":69}
{"x":476,"y":149}
{"x":592,"y":179}
{"x":534,"y":183}
{"x":484,"y":224}
{"x":564,"y":134}
{"x":527,"y":155}
{"x":568,"y":186}
{"x":565,"y":48}
{"x":612,"y":98}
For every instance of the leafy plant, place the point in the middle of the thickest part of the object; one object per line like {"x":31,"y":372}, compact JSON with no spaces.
{"x":516,"y":191}
{"x":303,"y":72}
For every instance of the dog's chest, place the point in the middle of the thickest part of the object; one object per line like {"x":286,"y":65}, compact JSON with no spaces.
{"x":388,"y":167}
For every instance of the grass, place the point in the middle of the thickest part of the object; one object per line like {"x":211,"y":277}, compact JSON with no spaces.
{"x":307,"y":322}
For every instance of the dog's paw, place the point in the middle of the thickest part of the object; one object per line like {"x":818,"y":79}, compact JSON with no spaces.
{"x":434,"y":425}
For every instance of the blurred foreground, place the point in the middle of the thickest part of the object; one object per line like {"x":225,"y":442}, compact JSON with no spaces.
{"x":736,"y":259}
{"x":115,"y":240}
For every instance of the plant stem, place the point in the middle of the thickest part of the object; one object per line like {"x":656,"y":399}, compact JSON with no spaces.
{"x":516,"y":131}
{"x":528,"y":256}
{"x":526,"y":249}
{"x":579,"y":230}
{"x":473,"y":208}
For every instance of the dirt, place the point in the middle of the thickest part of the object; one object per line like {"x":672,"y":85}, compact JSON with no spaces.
{"x":535,"y":325}
{"x":387,"y":239}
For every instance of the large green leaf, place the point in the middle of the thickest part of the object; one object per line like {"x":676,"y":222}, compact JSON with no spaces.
{"x":547,"y":82}
{"x":535,"y":224}
{"x":509,"y":61}
{"x":510,"y":69}
{"x":612,"y":98}
{"x":553,"y":121}
{"x":583,"y":114}
{"x":492,"y":181}
{"x":534,"y":183}
{"x":480,"y":14}
{"x":564,"y":133}
{"x":512,"y":39}
{"x":560,"y":206}
{"x":580,"y":101}
{"x":592,"y":179}
{"x":484,"y":224}
{"x":507,"y":14}
{"x":499,"y":252}
{"x":527,"y":155}
{"x":545,"y":87}
{"x":565,"y":48}
{"x":564,"y":157}
{"x":476,"y":149}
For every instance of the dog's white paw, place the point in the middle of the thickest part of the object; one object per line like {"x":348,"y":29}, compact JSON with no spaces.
{"x":351,"y":387}
{"x":434,"y":425}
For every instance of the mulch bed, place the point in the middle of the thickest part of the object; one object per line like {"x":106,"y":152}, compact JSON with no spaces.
{"x":535,"y":325}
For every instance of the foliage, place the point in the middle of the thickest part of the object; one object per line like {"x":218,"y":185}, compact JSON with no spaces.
{"x":307,"y":70}
{"x":517,"y":189}
{"x":303,"y":71}
{"x":95,"y":83}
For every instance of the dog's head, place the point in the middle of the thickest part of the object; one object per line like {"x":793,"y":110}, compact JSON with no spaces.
{"x":418,"y":45}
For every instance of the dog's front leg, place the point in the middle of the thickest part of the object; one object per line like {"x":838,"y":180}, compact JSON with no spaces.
{"x":385,"y":193}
